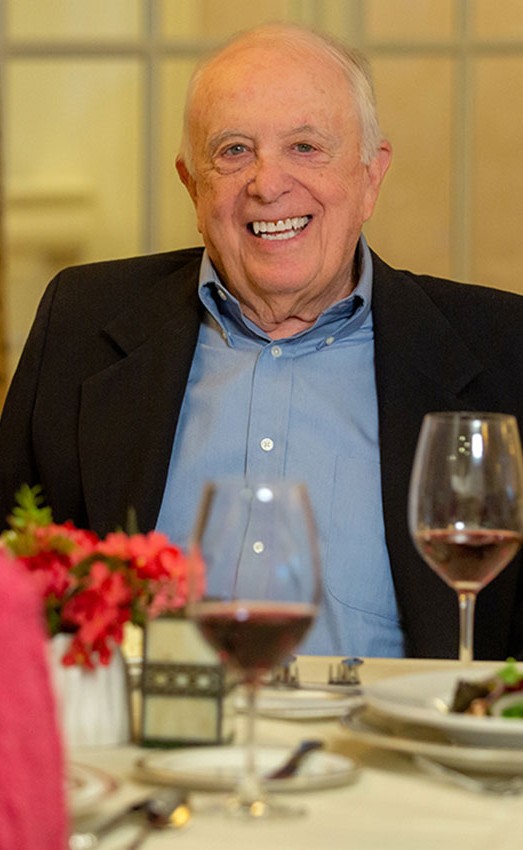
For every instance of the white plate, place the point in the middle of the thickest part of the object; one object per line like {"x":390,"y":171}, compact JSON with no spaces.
{"x":423,"y":698}
{"x":86,"y":787}
{"x":217,"y":768}
{"x":367,"y":727}
{"x":296,"y":704}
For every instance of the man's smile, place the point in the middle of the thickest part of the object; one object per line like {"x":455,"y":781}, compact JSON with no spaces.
{"x":282,"y":229}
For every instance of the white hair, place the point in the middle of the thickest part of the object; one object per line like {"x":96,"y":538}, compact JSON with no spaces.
{"x":352,"y":62}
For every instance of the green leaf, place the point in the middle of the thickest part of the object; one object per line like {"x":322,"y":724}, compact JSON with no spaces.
{"x":30,"y":508}
{"x":513,"y":710}
{"x":510,"y":673}
{"x":132,"y":522}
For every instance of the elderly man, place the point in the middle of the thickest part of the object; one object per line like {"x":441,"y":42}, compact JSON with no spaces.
{"x":286,"y":348}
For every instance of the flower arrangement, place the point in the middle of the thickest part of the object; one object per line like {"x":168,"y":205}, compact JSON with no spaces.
{"x":91,"y":587}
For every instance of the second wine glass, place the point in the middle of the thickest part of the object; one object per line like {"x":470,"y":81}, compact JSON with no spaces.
{"x":255,"y":544}
{"x":466,"y":503}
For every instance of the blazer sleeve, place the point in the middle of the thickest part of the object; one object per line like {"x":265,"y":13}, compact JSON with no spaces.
{"x":17,"y":460}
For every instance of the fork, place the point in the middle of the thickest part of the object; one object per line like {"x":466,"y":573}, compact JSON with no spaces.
{"x":501,"y":785}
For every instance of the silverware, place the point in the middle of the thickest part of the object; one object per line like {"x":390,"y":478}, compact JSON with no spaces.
{"x":170,"y":810}
{"x":318,"y":687}
{"x":501,"y":785}
{"x":166,"y":809}
{"x":346,"y":672}
{"x":89,"y":840}
{"x":290,"y":767}
{"x":285,"y":674}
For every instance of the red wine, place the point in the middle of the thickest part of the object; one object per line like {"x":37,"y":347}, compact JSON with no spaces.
{"x":468,"y":560}
{"x":254,"y":636}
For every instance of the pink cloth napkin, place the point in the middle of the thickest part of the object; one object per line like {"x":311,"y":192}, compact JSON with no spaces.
{"x":33,"y":814}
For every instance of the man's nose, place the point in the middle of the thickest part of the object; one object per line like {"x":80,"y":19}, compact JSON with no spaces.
{"x":269,"y":179}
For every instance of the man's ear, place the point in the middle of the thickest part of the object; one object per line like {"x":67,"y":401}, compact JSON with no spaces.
{"x":186,"y":177}
{"x":376,"y":171}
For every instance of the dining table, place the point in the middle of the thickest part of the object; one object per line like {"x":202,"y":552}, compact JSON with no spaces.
{"x":387,"y":803}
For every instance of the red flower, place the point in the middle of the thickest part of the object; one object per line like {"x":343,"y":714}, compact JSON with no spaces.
{"x":92,"y":587}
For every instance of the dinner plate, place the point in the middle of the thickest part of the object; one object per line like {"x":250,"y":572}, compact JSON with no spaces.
{"x":298,"y":704}
{"x":86,"y":787}
{"x":366,"y":726}
{"x":424,"y":699}
{"x":218,"y":768}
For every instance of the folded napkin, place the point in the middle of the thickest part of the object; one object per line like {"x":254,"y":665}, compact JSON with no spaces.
{"x":32,"y":783}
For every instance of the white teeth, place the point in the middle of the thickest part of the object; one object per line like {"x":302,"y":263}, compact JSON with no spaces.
{"x":286,"y":234}
{"x":281,"y":229}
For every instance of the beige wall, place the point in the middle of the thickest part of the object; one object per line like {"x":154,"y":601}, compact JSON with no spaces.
{"x":449,"y":79}
{"x":92,"y":111}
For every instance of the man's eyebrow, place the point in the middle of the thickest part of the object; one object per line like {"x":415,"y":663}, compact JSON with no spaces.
{"x":311,"y":129}
{"x":305,"y":128}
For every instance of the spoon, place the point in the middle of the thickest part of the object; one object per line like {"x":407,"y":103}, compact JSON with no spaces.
{"x":170,"y":809}
{"x":160,"y":813}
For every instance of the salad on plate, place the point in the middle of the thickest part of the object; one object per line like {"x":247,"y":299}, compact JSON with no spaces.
{"x":498,"y":695}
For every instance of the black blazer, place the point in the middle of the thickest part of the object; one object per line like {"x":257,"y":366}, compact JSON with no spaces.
{"x":93,"y":407}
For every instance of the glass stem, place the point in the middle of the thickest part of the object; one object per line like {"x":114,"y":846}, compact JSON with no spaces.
{"x":250,"y":795}
{"x":467,"y":604}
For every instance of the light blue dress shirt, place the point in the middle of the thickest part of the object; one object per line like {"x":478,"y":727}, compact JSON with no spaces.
{"x":302,"y":408}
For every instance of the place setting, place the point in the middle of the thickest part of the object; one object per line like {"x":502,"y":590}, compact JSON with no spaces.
{"x":254,"y":593}
{"x":411,"y":714}
{"x":466,"y":520}
{"x":219,"y":769}
{"x":281,"y":696}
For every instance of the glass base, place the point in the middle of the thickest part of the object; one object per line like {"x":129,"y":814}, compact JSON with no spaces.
{"x":263,"y":809}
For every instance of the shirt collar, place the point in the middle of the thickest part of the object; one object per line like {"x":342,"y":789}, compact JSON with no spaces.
{"x":342,"y":318}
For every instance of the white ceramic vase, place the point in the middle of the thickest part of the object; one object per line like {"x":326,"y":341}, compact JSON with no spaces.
{"x":93,"y":705}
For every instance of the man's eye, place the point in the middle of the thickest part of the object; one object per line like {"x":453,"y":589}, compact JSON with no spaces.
{"x":304,"y":147}
{"x":234,"y":150}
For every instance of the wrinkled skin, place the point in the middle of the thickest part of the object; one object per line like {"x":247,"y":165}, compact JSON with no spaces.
{"x":276,"y":143}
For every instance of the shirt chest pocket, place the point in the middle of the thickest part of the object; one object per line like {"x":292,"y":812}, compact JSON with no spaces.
{"x":357,"y":569}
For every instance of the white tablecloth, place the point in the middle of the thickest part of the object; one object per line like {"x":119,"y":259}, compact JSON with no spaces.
{"x":391,"y":806}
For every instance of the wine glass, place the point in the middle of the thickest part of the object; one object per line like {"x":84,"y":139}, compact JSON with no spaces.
{"x":255,"y":543}
{"x":466,"y":503}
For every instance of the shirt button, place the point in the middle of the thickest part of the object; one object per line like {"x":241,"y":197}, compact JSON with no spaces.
{"x":267,"y":444}
{"x":329,"y":340}
{"x":222,"y":294}
{"x":258,"y":547}
{"x":276,"y":351}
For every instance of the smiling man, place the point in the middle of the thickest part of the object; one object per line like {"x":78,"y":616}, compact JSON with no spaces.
{"x":277,"y":175}
{"x":284,"y":348}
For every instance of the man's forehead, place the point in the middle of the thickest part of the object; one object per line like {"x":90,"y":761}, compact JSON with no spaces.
{"x":224,"y":99}
{"x":242,"y":67}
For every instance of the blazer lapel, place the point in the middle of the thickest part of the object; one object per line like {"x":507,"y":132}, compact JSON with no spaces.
{"x":420,"y":360}
{"x":421,"y":365}
{"x":129,"y":411}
